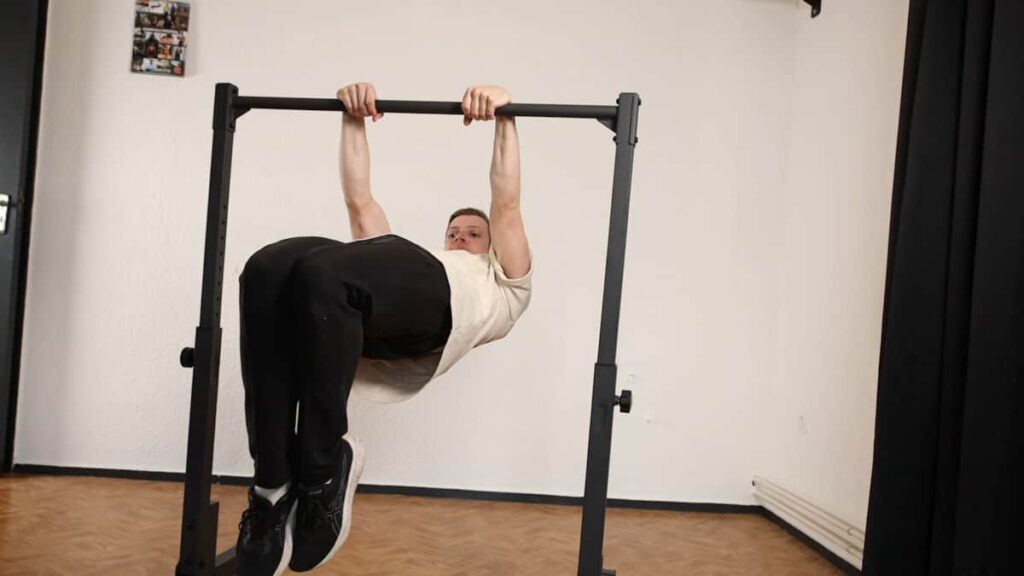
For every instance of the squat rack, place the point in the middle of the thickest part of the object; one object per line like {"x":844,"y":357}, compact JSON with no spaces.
{"x":198,"y":555}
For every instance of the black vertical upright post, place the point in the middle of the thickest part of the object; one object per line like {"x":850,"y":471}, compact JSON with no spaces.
{"x":199,"y":515}
{"x":604,"y":400}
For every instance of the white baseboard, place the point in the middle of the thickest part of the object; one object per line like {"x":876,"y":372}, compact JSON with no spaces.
{"x":835,"y":534}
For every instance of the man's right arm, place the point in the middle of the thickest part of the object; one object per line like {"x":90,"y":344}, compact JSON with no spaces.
{"x":366,"y":217}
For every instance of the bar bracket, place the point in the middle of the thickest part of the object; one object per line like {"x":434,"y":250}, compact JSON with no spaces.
{"x":632,"y":106}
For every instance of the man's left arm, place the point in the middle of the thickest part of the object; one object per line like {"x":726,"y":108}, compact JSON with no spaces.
{"x":508,"y":235}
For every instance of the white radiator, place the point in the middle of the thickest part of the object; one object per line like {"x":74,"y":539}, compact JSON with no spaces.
{"x":840,"y":537}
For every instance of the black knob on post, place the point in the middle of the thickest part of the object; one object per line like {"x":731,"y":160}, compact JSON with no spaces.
{"x":625,"y":401}
{"x":188,"y":357}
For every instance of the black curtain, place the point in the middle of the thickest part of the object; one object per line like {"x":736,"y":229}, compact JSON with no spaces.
{"x":947,"y":487}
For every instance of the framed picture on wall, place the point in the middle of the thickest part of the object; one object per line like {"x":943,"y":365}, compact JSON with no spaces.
{"x":160,"y":43}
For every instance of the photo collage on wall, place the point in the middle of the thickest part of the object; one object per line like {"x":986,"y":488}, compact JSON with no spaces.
{"x":161,"y":37}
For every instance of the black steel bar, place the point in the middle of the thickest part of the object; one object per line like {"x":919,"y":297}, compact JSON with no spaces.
{"x":595,"y":496}
{"x":199,"y":515}
{"x":423,"y":107}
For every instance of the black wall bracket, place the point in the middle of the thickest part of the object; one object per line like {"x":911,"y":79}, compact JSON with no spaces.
{"x":815,"y":7}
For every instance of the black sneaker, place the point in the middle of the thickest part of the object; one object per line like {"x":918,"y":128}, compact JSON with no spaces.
{"x":325,"y":512}
{"x":265,"y":536}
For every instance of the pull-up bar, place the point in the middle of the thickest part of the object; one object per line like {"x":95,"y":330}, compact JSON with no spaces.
{"x":426,"y":107}
{"x":198,"y":552}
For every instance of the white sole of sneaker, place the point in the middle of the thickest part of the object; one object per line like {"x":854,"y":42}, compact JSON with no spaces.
{"x":350,"y":492}
{"x":286,"y":552}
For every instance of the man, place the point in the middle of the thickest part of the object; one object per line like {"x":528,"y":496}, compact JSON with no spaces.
{"x":319,"y":316}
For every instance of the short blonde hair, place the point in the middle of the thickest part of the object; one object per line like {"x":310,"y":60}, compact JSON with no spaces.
{"x":469,"y":212}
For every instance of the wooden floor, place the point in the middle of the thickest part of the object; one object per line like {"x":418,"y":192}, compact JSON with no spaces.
{"x":84,"y":526}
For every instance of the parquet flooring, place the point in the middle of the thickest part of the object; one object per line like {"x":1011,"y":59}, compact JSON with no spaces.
{"x":57,"y":525}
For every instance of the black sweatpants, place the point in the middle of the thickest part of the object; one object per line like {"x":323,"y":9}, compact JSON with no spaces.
{"x":310,"y":308}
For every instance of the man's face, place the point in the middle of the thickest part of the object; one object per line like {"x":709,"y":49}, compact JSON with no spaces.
{"x":469,"y":233}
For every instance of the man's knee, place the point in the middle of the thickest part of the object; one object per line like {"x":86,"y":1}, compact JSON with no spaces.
{"x":273,"y":260}
{"x":257,"y":268}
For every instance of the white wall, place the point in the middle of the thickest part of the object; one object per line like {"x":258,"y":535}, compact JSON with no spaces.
{"x":115,"y":266}
{"x":818,"y":401}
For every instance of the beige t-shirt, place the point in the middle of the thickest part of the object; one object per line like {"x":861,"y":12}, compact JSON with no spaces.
{"x":485,"y":305}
